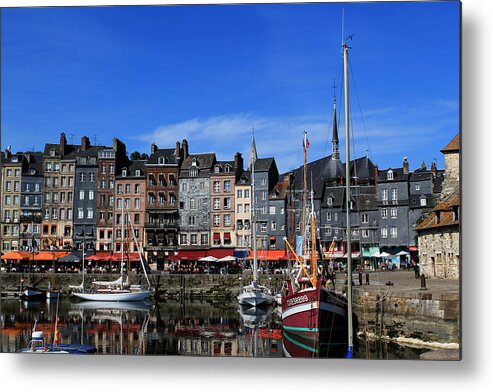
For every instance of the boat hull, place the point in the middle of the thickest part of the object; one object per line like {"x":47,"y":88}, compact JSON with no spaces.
{"x":114,"y":297}
{"x":314,"y":323}
{"x":255,"y":299}
{"x":31,"y":294}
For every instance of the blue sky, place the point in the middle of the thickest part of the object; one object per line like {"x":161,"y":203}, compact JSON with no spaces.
{"x":208,"y":73}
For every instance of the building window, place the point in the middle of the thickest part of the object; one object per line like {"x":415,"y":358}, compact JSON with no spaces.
{"x":365,"y":233}
{"x":183,"y":239}
{"x":217,"y":220}
{"x":263,"y":227}
{"x":239,"y":193}
{"x":394,"y":194}
{"x":193,"y":239}
{"x":90,"y":213}
{"x":124,"y":172}
{"x":416,"y":187}
{"x":127,"y":189}
{"x":80,"y":214}
{"x":329,"y":216}
{"x":227,"y":220}
{"x":217,"y":186}
{"x":329,"y":201}
{"x":393,"y":232}
{"x":273,"y":226}
{"x":227,"y":203}
{"x":383,"y":232}
{"x":263,"y":181}
{"x":272,"y":210}
{"x":384,"y":195}
{"x":227,"y":186}
{"x":91,"y":195}
{"x":239,"y":209}
{"x":390,"y":175}
{"x":247,"y":193}
{"x":364,"y":218}
{"x":393,"y":212}
{"x":191,"y":220}
{"x":81,"y":195}
{"x":204,"y":239}
{"x":423,"y":201}
{"x":383,"y":213}
{"x":82,"y":177}
{"x":217,"y":203}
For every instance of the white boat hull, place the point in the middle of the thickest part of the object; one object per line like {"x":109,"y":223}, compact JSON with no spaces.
{"x":114,"y":297}
{"x":255,"y":299}
{"x":50,"y":295}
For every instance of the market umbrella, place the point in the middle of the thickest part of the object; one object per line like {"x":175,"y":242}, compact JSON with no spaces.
{"x":208,"y":259}
{"x":402,"y":253}
{"x":228,"y":258}
{"x":384,"y":254}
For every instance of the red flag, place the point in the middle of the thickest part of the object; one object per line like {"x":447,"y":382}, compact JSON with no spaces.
{"x":306,"y":142}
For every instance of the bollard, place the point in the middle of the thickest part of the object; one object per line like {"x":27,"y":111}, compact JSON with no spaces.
{"x":423,"y":282}
{"x":367,"y":278}
{"x":360,"y":278}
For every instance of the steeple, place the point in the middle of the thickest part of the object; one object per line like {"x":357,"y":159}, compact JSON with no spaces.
{"x":253,"y":150}
{"x":335,"y":137}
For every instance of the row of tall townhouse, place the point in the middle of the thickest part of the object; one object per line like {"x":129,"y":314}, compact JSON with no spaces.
{"x":70,"y":196}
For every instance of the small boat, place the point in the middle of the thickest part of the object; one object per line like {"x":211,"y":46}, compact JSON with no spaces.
{"x":32,"y":294}
{"x":118,"y":290}
{"x":254,"y":294}
{"x":37,"y":345}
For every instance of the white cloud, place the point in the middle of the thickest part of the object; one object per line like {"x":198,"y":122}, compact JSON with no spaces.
{"x":388,"y":134}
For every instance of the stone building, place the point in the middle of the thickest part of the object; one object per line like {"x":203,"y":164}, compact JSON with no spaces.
{"x":31,"y":201}
{"x":58,"y":194}
{"x":243,"y":206}
{"x":162,"y":219}
{"x":130,"y":188}
{"x":12,"y":167}
{"x":222,"y":185}
{"x":86,"y":195}
{"x":110,"y":162}
{"x":195,"y":201}
{"x":439,"y":232}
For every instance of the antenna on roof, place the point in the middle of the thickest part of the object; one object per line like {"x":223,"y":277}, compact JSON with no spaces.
{"x":95,"y":138}
{"x":71,"y":137}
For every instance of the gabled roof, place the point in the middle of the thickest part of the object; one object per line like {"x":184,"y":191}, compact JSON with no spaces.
{"x":398,"y":175}
{"x":205,"y":162}
{"x":445,"y":210}
{"x":245,"y":178}
{"x":453,"y":146}
{"x":167,"y":153}
{"x":132,"y":167}
{"x":263,"y":164}
{"x":71,"y":150}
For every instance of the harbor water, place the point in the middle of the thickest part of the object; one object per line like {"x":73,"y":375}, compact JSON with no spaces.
{"x":198,"y":328}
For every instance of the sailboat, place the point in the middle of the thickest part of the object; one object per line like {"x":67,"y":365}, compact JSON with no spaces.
{"x":119,"y":289}
{"x":255,"y":294}
{"x":317,"y":321}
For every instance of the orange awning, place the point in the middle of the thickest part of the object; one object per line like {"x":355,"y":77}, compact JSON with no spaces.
{"x":49,"y":256}
{"x":271,"y":255}
{"x":15,"y":255}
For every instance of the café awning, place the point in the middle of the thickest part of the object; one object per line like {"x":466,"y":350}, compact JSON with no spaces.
{"x":15,"y":255}
{"x":100,"y":256}
{"x":49,"y":256}
{"x":270,"y":255}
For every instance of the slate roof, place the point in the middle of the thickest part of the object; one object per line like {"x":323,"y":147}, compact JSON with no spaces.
{"x":71,"y":150}
{"x":132,"y":167}
{"x":245,"y":178}
{"x":167,"y":153}
{"x":205,"y":163}
{"x":438,"y":182}
{"x":263,"y":164}
{"x":445,"y":209}
{"x":415,"y":201}
{"x":453,"y":146}
{"x":34,"y":161}
{"x":398,"y":175}
{"x":279,"y":191}
{"x":320,"y":171}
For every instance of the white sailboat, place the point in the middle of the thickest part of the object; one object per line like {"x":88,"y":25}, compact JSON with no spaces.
{"x":119,"y":289}
{"x":255,"y":294}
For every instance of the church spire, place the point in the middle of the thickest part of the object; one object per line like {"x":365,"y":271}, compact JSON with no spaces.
{"x":253,"y":149}
{"x":335,"y":137}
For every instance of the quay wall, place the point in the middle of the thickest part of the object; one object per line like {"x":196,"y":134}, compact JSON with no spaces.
{"x":382,"y":313}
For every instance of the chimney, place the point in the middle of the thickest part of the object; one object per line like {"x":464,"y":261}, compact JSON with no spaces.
{"x":184,"y":144}
{"x":63,"y":144}
{"x":376,"y":173}
{"x":405,"y":166}
{"x":434,"y":169}
{"x":423,"y":165}
{"x":153,"y":148}
{"x":177,"y":150}
{"x":85,"y":144}
{"x":238,"y":162}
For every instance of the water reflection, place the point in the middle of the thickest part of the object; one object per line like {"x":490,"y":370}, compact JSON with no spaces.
{"x":167,"y":328}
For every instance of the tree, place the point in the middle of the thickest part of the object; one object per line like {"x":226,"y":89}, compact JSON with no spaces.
{"x":135,"y":156}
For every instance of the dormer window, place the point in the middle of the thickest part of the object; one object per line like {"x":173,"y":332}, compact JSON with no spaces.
{"x":422,"y":201}
{"x":52,"y":153}
{"x":217,"y":169}
{"x":161,"y":160}
{"x":33,"y":172}
{"x":137,"y":173}
{"x":329,"y":200}
{"x":437,"y":217}
{"x":390,"y":175}
{"x":227,"y":169}
{"x":124,"y":172}
{"x":15,"y":159}
{"x":194,"y":171}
